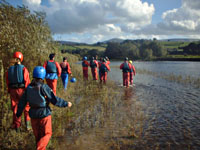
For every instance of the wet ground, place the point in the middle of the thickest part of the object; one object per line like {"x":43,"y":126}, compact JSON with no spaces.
{"x":153,"y":114}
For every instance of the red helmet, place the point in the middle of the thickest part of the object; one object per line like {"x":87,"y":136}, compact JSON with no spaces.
{"x":18,"y":55}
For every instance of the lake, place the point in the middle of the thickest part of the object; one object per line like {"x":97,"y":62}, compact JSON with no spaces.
{"x":161,"y":111}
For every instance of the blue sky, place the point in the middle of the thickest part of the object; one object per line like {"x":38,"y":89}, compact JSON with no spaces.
{"x":91,"y":21}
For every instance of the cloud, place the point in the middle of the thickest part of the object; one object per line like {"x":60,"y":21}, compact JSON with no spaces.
{"x":180,"y":22}
{"x":69,"y":16}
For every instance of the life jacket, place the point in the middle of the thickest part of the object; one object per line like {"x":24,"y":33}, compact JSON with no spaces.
{"x":103,"y":68}
{"x":126,"y":68}
{"x":84,"y":64}
{"x":16,"y":76}
{"x":64,"y":67}
{"x":35,"y":98}
{"x":93,"y":64}
{"x":51,"y":67}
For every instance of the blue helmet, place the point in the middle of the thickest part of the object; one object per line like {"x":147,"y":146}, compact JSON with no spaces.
{"x":85,"y":58}
{"x":39,"y":72}
{"x":73,"y":80}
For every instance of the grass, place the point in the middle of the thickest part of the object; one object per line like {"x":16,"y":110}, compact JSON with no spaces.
{"x":172,"y":77}
{"x":69,"y":47}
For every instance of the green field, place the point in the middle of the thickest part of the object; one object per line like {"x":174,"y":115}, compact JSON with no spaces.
{"x":173,"y":44}
{"x":74,"y":47}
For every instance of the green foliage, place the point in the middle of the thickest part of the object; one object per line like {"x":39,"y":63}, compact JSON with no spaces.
{"x":21,"y":30}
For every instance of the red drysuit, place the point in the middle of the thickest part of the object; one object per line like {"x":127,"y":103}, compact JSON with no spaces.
{"x":15,"y":95}
{"x":126,"y":67}
{"x":85,"y":65}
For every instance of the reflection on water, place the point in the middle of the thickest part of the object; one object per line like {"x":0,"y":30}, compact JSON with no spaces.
{"x":153,"y":114}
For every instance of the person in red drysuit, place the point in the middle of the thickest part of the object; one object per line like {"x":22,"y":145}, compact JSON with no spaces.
{"x":126,"y":67}
{"x":66,"y":71}
{"x":132,"y":72}
{"x":53,"y":71}
{"x":107,"y":60}
{"x":103,"y":69}
{"x":39,"y":95}
{"x":94,"y":66}
{"x":17,"y":79}
{"x":85,"y":65}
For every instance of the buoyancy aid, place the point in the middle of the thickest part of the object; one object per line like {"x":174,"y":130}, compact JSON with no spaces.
{"x":16,"y":76}
{"x":35,"y":97}
{"x":84,"y":64}
{"x":93,"y":64}
{"x":51,"y":67}
{"x":103,"y":68}
{"x":126,"y":68}
{"x":64,"y":68}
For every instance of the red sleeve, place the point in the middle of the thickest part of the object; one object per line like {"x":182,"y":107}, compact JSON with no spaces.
{"x":121,"y":66}
{"x":96,"y":62}
{"x":26,"y":77}
{"x":108,"y":62}
{"x":130,"y":66}
{"x":87,"y":63}
{"x":58,"y":69}
{"x":68,"y":69}
{"x":45,"y":64}
{"x":108,"y":67}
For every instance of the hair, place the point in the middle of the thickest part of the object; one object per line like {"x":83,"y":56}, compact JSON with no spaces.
{"x":51,"y":56}
{"x":35,"y":81}
{"x":64,"y":58}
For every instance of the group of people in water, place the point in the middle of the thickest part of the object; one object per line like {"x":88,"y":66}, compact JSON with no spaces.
{"x":127,"y":68}
{"x":33,"y":97}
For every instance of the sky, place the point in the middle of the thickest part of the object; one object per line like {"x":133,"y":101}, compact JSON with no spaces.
{"x":91,"y":21}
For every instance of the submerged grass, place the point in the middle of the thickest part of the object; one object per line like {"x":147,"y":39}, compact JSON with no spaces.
{"x":172,"y":77}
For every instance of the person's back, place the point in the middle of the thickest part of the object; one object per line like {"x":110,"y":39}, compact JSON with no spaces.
{"x":39,"y":95}
{"x":85,"y":65}
{"x":17,"y":79}
{"x":66,"y":71}
{"x":53,"y":71}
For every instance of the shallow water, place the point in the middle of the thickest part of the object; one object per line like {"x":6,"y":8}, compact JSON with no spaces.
{"x":153,"y":114}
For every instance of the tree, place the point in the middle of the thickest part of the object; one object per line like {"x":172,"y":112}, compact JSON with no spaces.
{"x":21,"y":30}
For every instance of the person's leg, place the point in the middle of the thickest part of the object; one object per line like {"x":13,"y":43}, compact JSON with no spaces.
{"x":131,"y":78}
{"x":15,"y":95}
{"x":45,"y":133}
{"x":124,"y":77}
{"x":105,"y":77}
{"x":52,"y":84}
{"x":95,"y":74}
{"x":66,"y":81}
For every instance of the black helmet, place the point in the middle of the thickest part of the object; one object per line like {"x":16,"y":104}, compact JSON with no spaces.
{"x":126,"y":58}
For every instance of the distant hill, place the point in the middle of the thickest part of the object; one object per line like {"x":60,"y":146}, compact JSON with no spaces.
{"x":70,"y":43}
{"x":118,"y":40}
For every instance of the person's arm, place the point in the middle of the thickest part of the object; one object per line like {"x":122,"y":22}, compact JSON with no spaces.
{"x":68,"y":69}
{"x":108,"y":67}
{"x":48,"y":93}
{"x":121,"y":66}
{"x":21,"y":105}
{"x":87,"y":63}
{"x":59,"y":70}
{"x":45,"y":64}
{"x":26,"y":77}
{"x":96,"y":63}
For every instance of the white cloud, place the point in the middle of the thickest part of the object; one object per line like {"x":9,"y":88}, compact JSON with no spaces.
{"x":69,"y":16}
{"x":32,"y":2}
